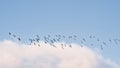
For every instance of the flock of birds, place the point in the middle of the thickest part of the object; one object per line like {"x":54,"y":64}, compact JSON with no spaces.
{"x":51,"y":39}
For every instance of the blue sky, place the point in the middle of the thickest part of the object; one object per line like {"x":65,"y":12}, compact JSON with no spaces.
{"x":30,"y":17}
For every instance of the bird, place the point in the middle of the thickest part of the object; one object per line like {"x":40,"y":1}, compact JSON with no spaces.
{"x":39,"y":45}
{"x":62,"y":46}
{"x":115,"y":40}
{"x":110,"y":40}
{"x":54,"y":46}
{"x":104,"y":43}
{"x":69,"y":36}
{"x":45,"y":42}
{"x":84,"y":40}
{"x":81,"y":45}
{"x":93,"y":36}
{"x":101,"y":47}
{"x":45,"y":38}
{"x":34,"y":43}
{"x":90,"y":37}
{"x":19,"y":38}
{"x":70,"y":45}
{"x":14,"y":36}
{"x":98,"y":40}
{"x":49,"y":36}
{"x":54,"y":40}
{"x":58,"y":39}
{"x":38,"y":38}
{"x":75,"y":36}
{"x":31,"y":41}
{"x":92,"y":44}
{"x":9,"y":33}
{"x":119,"y":40}
{"x":63,"y":36}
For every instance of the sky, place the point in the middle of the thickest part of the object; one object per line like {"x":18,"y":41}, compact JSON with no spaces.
{"x":26,"y":18}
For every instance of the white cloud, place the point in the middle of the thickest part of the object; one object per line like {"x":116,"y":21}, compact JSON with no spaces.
{"x":16,"y":55}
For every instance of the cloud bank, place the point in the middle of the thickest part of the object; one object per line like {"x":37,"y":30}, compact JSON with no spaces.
{"x":16,"y":55}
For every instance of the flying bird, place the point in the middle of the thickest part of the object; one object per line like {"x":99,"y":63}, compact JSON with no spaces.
{"x":101,"y":47}
{"x":98,"y":40}
{"x":19,"y":39}
{"x":90,"y":37}
{"x":70,"y":45}
{"x":84,"y":39}
{"x":104,"y":43}
{"x":14,"y":36}
{"x":9,"y":33}
{"x":31,"y":40}
{"x":39,"y":45}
